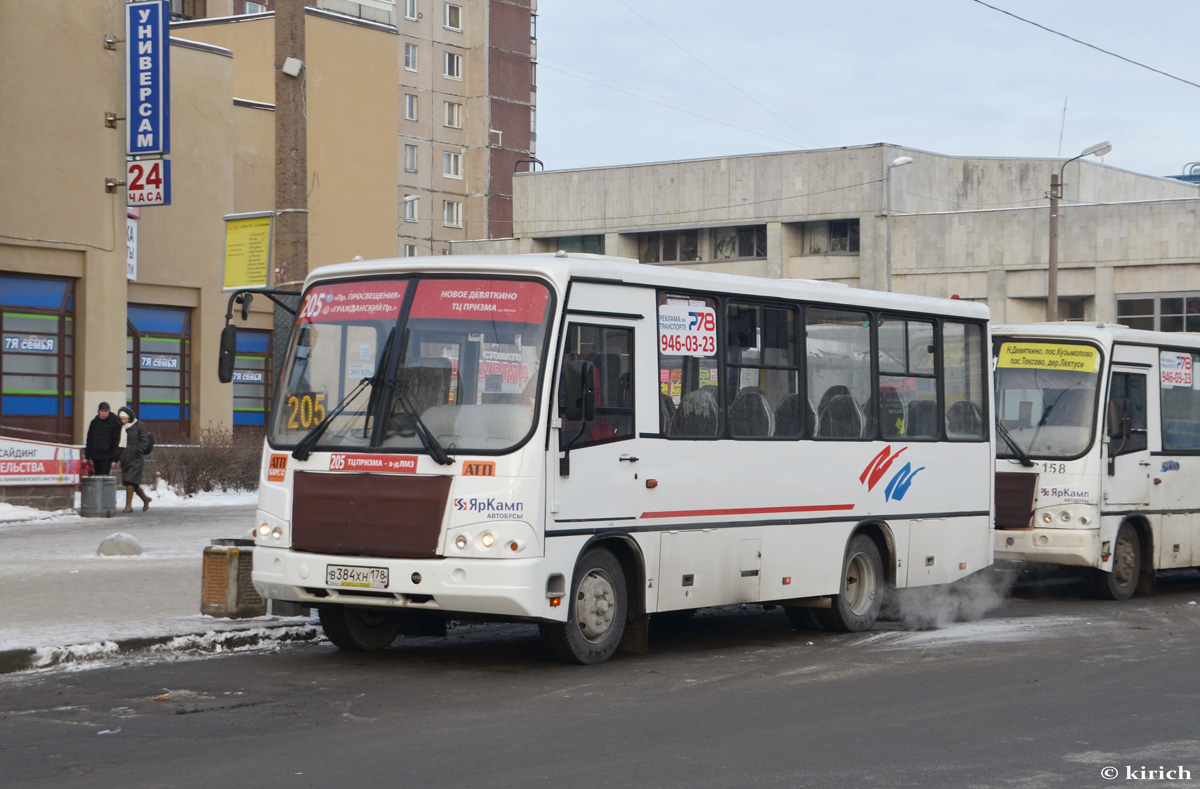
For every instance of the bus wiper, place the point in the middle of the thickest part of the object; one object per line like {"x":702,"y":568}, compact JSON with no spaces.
{"x":1002,"y":431}
{"x":428,"y":439}
{"x":303,"y":450}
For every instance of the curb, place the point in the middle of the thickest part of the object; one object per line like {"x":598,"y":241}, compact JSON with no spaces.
{"x":210,"y":642}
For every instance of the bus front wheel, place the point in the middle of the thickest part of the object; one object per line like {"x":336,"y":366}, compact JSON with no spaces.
{"x":359,"y":629}
{"x":1121,"y":583}
{"x":856,"y":606}
{"x":596,"y":613}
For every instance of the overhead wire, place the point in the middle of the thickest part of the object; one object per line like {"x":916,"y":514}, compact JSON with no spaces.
{"x":1086,"y":44}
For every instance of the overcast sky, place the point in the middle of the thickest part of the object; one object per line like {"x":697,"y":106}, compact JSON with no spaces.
{"x":627,"y":81}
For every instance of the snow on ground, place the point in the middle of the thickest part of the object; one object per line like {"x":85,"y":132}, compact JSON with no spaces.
{"x":162,"y":495}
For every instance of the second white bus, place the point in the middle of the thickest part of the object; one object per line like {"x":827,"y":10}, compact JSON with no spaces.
{"x":1098,"y":461}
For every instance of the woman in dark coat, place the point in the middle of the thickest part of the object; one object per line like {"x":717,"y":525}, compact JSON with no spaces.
{"x":133,"y":452}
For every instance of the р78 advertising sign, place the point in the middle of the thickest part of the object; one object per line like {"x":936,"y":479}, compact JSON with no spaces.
{"x":148,"y":77}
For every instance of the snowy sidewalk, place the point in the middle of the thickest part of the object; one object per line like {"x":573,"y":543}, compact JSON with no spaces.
{"x":61,"y":602}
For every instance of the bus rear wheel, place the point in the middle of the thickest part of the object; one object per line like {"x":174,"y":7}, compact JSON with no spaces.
{"x":596,"y":613}
{"x":856,"y":606}
{"x":359,"y":629}
{"x":1121,"y":583}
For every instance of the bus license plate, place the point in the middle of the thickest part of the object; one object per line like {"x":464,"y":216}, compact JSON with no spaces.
{"x":363,"y":577}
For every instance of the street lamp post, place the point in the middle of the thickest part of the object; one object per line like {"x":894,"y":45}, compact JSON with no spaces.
{"x":1056,"y":185}
{"x":887,"y":178}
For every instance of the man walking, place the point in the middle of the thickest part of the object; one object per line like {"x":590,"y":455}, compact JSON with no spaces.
{"x":103,"y":436}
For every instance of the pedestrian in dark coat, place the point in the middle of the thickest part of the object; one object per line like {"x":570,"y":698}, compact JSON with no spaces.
{"x":103,"y":439}
{"x":133,"y":453}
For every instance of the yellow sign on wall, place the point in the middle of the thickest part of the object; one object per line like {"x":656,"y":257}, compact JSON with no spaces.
{"x":248,"y":250}
{"x":1049,"y":356}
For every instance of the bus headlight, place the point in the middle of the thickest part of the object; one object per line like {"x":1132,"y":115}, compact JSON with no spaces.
{"x":460,"y":542}
{"x":1047,"y":517}
{"x":487,"y":539}
{"x":1065,"y":516}
{"x":263,"y":530}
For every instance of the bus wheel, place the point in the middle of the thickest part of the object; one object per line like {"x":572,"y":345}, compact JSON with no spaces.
{"x":857,"y":605}
{"x":359,"y":629}
{"x":596,"y":618}
{"x":1126,"y":567}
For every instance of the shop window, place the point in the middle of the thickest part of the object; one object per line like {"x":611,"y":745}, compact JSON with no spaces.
{"x":593,"y":245}
{"x":158,"y":369}
{"x":252,"y":380}
{"x":37,"y":354}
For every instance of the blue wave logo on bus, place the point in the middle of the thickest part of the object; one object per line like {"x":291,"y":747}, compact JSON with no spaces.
{"x":899,"y":484}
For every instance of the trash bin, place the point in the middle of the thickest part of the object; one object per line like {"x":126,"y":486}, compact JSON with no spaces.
{"x":98,"y":497}
{"x":226,"y":588}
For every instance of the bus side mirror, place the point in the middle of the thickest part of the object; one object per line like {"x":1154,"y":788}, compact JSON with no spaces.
{"x":578,"y":391}
{"x":228,"y":353}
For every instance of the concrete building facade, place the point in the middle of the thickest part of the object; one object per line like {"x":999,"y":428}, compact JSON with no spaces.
{"x":972,"y":227}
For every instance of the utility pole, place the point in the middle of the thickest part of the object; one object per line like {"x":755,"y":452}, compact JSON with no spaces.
{"x":291,"y":144}
{"x":1052,"y":277}
{"x":291,"y":165}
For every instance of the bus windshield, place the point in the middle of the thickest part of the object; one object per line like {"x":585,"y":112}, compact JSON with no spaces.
{"x":1046,"y":397}
{"x":409,"y":339}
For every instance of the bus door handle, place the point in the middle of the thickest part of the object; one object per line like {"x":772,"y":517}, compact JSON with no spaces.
{"x":1144,"y":463}
{"x":628,"y":458}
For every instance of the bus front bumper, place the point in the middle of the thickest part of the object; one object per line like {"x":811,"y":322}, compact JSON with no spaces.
{"x":1073,"y":547}
{"x":487,"y":587}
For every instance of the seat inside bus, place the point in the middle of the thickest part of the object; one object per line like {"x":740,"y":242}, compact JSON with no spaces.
{"x":921,"y":421}
{"x":963,"y":420}
{"x":838,"y":415}
{"x":697,"y":414}
{"x":750,"y":414}
{"x":789,"y":414}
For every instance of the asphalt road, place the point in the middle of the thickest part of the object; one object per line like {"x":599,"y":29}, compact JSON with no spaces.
{"x":1048,"y":689}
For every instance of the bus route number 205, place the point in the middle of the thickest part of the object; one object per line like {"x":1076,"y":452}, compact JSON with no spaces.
{"x":304,"y":411}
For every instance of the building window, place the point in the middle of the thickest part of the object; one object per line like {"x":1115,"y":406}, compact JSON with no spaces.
{"x":410,"y":106}
{"x":839,"y":237}
{"x":255,"y":8}
{"x":451,"y":16}
{"x":1160,"y":312}
{"x":451,"y":65}
{"x":451,"y":164}
{"x":669,"y":247}
{"x":533,"y":27}
{"x":592,"y":245}
{"x":533,"y":73}
{"x":410,"y":158}
{"x":533,"y":124}
{"x":188,"y":9}
{"x":410,"y":9}
{"x":453,"y":115}
{"x":410,"y":57}
{"x":252,"y":381}
{"x":410,"y":208}
{"x":158,"y":369}
{"x":410,"y":250}
{"x":748,"y":241}
{"x":452,"y":213}
{"x":37,"y":357}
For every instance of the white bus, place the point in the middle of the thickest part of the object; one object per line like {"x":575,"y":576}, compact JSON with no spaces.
{"x":581,"y":442}
{"x":1098,"y":459}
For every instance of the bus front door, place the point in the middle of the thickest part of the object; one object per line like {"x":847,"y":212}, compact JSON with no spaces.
{"x":595,"y":473}
{"x":1129,"y":464}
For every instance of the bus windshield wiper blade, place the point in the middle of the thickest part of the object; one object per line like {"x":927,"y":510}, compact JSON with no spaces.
{"x":1002,"y":431}
{"x":428,"y":440}
{"x":303,"y":450}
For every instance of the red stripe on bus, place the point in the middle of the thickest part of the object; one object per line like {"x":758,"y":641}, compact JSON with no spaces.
{"x":749,"y":511}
